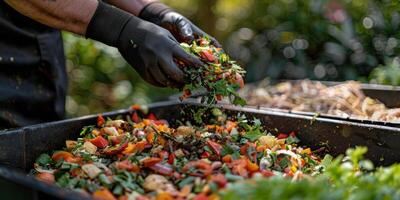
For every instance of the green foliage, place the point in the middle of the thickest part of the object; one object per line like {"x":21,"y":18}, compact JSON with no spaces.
{"x":318,"y":39}
{"x":388,"y":74}
{"x":342,"y":179}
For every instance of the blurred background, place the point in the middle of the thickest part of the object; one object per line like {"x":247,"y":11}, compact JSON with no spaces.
{"x":283,"y":39}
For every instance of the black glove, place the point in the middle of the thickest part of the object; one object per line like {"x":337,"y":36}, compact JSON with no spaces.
{"x":149,"y":48}
{"x":183,"y":29}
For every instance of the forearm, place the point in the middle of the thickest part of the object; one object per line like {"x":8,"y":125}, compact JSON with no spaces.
{"x":131,"y":6}
{"x":69,"y":15}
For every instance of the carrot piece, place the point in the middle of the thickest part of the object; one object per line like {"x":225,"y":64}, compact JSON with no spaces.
{"x":45,"y":177}
{"x":148,"y":162}
{"x":227,"y":159}
{"x":164,"y":196}
{"x":103,"y":194}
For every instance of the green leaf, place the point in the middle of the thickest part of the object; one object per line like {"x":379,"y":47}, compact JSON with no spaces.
{"x":43,"y":159}
{"x":253,"y":135}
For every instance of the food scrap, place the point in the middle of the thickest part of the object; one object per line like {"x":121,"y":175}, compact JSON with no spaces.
{"x":220,"y":76}
{"x":147,"y":158}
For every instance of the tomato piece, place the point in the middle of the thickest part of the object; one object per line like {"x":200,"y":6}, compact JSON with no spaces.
{"x":99,"y":142}
{"x":160,"y":122}
{"x":76,"y":172}
{"x":135,"y":117}
{"x":243,"y":149}
{"x":200,"y":165}
{"x":215,"y":147}
{"x":67,"y":156}
{"x":140,"y":146}
{"x":103,"y":194}
{"x":127,"y":165}
{"x":205,"y":154}
{"x":100,"y":120}
{"x":171,"y":158}
{"x":219,"y":179}
{"x":115,"y":149}
{"x":45,"y":177}
{"x":282,"y":136}
{"x":151,"y":116}
{"x":227,"y":159}
{"x":135,"y":107}
{"x":239,"y":167}
{"x":148,"y":162}
{"x":207,"y":56}
{"x":163,"y":154}
{"x":162,"y":169}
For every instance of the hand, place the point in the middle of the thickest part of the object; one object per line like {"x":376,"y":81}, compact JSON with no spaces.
{"x":182,"y":29}
{"x":149,"y":48}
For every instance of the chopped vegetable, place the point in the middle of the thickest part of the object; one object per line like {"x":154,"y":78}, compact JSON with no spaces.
{"x":220,"y":76}
{"x":149,"y":159}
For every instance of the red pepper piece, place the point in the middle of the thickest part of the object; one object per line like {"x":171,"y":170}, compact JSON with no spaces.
{"x":171,"y":158}
{"x":135,"y":117}
{"x":127,"y":165}
{"x":100,"y":120}
{"x":151,"y":116}
{"x":282,"y":136}
{"x":99,"y":142}
{"x":205,"y":155}
{"x":207,"y":55}
{"x":115,"y":149}
{"x":201,"y":165}
{"x":215,"y":147}
{"x":148,"y":162}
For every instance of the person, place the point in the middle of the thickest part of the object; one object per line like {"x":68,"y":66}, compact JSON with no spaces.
{"x":33,"y":79}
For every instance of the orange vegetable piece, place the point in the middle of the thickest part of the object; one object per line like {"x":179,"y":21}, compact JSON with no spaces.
{"x":135,"y":107}
{"x":67,"y":156}
{"x":129,"y":149}
{"x":150,"y":137}
{"x":252,"y":167}
{"x":148,"y":162}
{"x":164,"y":196}
{"x":230,"y":125}
{"x":124,"y":197}
{"x":103,"y":194}
{"x":127,"y":165}
{"x":100,"y":120}
{"x":140,"y":146}
{"x":99,"y":142}
{"x":45,"y":177}
{"x":227,"y":159}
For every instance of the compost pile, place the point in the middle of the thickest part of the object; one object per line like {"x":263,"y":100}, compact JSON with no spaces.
{"x":146,"y":158}
{"x":219,"y":76}
{"x":346,"y":100}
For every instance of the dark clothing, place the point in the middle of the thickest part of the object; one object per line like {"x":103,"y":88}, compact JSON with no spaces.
{"x":33,"y":80}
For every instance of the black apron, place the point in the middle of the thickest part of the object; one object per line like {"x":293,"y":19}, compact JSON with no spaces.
{"x":33,"y":80}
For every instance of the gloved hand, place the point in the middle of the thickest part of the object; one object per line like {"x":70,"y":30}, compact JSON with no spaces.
{"x":150,"y":49}
{"x":183,"y":29}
